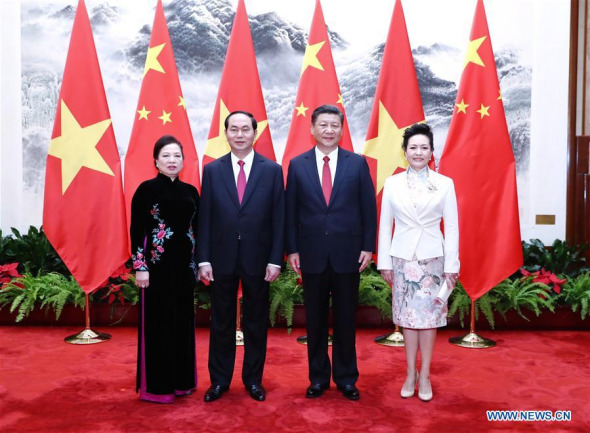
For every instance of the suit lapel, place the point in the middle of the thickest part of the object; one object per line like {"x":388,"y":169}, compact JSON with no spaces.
{"x":432,"y":180}
{"x":227,"y":174}
{"x":311,"y":168}
{"x":341,"y":170}
{"x":404,"y":192}
{"x":256,"y":171}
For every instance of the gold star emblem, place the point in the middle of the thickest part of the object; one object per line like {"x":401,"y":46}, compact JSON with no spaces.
{"x":311,"y":57}
{"x":76,"y":147}
{"x":143,"y":113}
{"x":165,"y":117}
{"x":472,"y":55}
{"x":218,"y":146}
{"x":386,"y":148}
{"x":151,"y":60}
{"x":461,"y":107}
{"x":182,"y":103}
{"x":340,"y":100}
{"x":301,"y":110}
{"x":483,"y":111}
{"x":499,"y":95}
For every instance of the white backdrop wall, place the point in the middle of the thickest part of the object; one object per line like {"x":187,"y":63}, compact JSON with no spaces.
{"x":532,"y":63}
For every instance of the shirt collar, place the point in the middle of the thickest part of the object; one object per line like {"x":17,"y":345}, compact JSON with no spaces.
{"x":319,"y":156}
{"x":248,"y":159}
{"x":423,"y":173}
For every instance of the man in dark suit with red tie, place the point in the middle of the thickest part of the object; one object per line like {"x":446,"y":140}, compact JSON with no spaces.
{"x":240,"y":237}
{"x":331,"y":224}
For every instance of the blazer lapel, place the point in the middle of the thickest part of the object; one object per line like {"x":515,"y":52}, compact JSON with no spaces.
{"x":311,"y":168}
{"x":404,"y":192}
{"x":256,"y":170}
{"x":341,"y":170}
{"x":227,"y":174}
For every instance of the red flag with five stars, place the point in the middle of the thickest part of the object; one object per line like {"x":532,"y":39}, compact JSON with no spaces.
{"x":239,"y":90}
{"x":318,"y":85}
{"x":397,"y":106}
{"x":478,"y":157}
{"x":84,"y":210}
{"x":161,"y":110}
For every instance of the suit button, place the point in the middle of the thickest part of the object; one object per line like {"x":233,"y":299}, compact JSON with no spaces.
{"x":326,"y":233}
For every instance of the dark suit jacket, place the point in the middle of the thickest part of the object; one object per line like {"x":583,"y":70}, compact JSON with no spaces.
{"x":255,"y":228}
{"x":336,"y":233}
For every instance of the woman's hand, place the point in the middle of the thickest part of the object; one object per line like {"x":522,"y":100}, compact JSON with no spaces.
{"x":387,"y":275}
{"x":451,"y":279}
{"x":142,"y":279}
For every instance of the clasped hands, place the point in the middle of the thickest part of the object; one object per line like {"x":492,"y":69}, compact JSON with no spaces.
{"x":364,"y":260}
{"x":206,"y":273}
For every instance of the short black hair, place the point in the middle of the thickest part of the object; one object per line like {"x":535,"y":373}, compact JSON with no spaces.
{"x":250,"y":115}
{"x":327,"y":109}
{"x":164,"y":141}
{"x":418,"y":129}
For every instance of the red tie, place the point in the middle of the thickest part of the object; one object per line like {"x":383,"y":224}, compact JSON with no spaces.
{"x":241,"y":181}
{"x":327,"y":180}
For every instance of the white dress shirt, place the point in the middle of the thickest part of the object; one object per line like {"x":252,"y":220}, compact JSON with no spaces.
{"x":248,"y":160}
{"x":319,"y":157}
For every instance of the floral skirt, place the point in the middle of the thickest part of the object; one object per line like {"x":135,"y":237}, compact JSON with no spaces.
{"x":415,"y":286}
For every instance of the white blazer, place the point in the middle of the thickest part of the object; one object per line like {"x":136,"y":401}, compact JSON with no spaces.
{"x":417,"y":229}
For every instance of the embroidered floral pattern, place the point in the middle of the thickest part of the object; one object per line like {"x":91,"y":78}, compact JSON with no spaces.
{"x":191,"y":236}
{"x":416,"y":284}
{"x":139,"y":263}
{"x":159,"y":234}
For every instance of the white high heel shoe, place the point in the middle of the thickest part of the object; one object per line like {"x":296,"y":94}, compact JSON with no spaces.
{"x":425,"y":396}
{"x":408,"y":394}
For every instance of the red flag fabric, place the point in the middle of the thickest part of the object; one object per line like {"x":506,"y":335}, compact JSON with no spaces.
{"x":478,"y":157}
{"x":84,"y":210}
{"x":239,"y":90}
{"x":397,"y":106}
{"x":318,"y":85}
{"x":161,"y":110}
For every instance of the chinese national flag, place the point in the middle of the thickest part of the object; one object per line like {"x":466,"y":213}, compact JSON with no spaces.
{"x":318,"y":85}
{"x":161,"y":110}
{"x":397,"y":105}
{"x":478,"y":157}
{"x":83,"y":212}
{"x":239,"y":90}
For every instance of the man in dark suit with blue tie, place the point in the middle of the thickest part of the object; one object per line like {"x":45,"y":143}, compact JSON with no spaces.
{"x":330,"y":236}
{"x":240,"y":237}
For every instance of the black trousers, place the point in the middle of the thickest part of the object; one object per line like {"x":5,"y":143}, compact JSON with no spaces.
{"x":222,"y":341}
{"x":317,"y":289}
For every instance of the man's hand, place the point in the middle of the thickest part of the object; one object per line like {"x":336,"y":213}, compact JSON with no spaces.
{"x":293,"y":260}
{"x":206,"y":273}
{"x":142,"y":279}
{"x":272,"y":273}
{"x":365,"y":259}
{"x":387,"y":275}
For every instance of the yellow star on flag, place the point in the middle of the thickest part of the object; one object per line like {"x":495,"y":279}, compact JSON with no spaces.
{"x":472,"y":55}
{"x":165,"y":117}
{"x":76,"y":147}
{"x":340,"y":100}
{"x":499,"y":95}
{"x":301,"y":110}
{"x":182,"y":103}
{"x":462,"y":107}
{"x":218,"y":146}
{"x":483,"y":111}
{"x":311,"y":57}
{"x":143,"y":113}
{"x":151,"y":60}
{"x":386,"y":148}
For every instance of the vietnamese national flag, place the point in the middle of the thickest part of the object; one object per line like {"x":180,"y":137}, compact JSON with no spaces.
{"x":239,"y":90}
{"x":161,"y":110}
{"x":84,"y":209}
{"x":478,"y":157}
{"x":397,"y":106}
{"x":318,"y":85}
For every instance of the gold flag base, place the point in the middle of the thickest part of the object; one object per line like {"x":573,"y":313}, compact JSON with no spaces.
{"x":473,"y":341}
{"x":303,"y":339}
{"x":239,"y":338}
{"x":394,"y":339}
{"x":87,"y":336}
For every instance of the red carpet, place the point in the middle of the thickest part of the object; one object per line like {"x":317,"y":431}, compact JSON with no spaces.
{"x":47,"y":385}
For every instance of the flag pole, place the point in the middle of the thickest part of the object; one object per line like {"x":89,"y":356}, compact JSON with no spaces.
{"x":472,"y":340}
{"x":393,"y":339}
{"x":239,"y":333}
{"x":87,"y":336}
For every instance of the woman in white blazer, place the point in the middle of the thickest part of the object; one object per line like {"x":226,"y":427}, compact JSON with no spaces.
{"x":417,"y":259}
